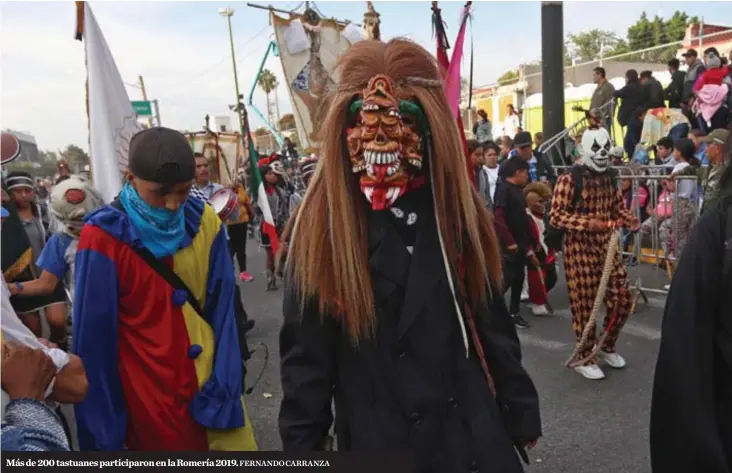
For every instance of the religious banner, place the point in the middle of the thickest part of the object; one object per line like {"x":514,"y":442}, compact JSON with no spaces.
{"x":223,"y":149}
{"x":309,"y":48}
{"x":112,"y":120}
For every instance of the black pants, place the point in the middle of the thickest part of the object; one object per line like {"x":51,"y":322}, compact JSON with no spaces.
{"x":238,"y":243}
{"x":514,"y":266}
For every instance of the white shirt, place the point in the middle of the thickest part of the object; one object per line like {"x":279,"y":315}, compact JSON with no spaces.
{"x":492,"y":179}
{"x":685,"y":188}
{"x":14,"y":331}
{"x":510,"y":125}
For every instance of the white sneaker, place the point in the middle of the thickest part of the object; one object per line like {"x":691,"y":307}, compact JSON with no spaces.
{"x":612,"y":359}
{"x":524,"y":296}
{"x":539,"y":309}
{"x":590,"y":372}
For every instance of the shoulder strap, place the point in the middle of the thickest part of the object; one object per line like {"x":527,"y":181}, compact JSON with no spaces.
{"x":165,"y":271}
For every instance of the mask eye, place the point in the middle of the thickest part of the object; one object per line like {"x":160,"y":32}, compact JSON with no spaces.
{"x":595,"y":147}
{"x":607,"y":146}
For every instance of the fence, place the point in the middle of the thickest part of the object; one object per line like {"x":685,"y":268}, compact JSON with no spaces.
{"x":651,"y":253}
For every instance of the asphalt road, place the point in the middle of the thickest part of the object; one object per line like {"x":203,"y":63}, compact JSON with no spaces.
{"x":589,"y":426}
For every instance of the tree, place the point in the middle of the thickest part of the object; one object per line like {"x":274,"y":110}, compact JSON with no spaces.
{"x":645,"y":34}
{"x":591,"y":45}
{"x":43,"y":166}
{"x":267,"y":81}
{"x":287,"y":122}
{"x":509,"y":77}
{"x":76,"y":157}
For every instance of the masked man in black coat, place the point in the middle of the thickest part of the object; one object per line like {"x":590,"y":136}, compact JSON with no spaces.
{"x":691,"y":412}
{"x":393,"y":306}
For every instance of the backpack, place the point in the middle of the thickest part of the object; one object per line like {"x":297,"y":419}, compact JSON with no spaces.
{"x":554,"y":236}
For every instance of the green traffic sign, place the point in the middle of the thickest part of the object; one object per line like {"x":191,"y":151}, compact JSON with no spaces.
{"x":142,"y":108}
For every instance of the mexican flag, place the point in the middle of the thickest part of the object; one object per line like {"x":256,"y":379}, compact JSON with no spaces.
{"x":259,"y":195}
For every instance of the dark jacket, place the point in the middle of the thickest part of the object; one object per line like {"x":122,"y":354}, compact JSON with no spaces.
{"x":691,"y":409}
{"x":544,"y":169}
{"x":675,"y":90}
{"x":655,"y":96}
{"x":692,"y":74}
{"x":634,"y":96}
{"x":410,"y":387}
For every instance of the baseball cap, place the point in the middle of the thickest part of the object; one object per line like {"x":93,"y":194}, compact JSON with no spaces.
{"x":161,"y":155}
{"x":522,"y":139}
{"x":718,"y":136}
{"x":690,"y":52}
{"x":4,"y":213}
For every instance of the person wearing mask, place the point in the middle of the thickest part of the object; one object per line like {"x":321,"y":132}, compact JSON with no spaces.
{"x":20,"y":187}
{"x":603,"y":93}
{"x":691,"y":404}
{"x":483,"y":128}
{"x":655,"y":96}
{"x":154,"y":317}
{"x":709,"y":176}
{"x":633,"y":99}
{"x":203,"y":184}
{"x":513,"y":229}
{"x":512,"y":122}
{"x":695,"y":69}
{"x":490,"y":168}
{"x":675,"y":90}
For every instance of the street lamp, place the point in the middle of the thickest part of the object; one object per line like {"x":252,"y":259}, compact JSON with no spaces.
{"x":228,"y":12}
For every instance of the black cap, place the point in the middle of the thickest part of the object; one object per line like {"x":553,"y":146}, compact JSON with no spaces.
{"x":522,"y":139}
{"x":161,"y":155}
{"x":690,"y":52}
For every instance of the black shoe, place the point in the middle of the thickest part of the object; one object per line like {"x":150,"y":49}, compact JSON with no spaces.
{"x":248,"y":325}
{"x":519,"y":321}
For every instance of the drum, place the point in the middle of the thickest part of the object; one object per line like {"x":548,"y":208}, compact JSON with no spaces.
{"x":225,"y":202}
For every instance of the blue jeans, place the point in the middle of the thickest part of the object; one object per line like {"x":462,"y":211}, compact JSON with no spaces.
{"x":632,"y":135}
{"x":678,"y":131}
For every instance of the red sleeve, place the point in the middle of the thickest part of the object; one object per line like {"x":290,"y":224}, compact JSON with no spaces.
{"x":502,"y":227}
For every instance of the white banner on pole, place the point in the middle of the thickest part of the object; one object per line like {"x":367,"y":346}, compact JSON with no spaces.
{"x":112,"y":121}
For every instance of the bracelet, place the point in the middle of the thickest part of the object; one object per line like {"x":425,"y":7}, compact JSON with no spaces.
{"x":19,"y":287}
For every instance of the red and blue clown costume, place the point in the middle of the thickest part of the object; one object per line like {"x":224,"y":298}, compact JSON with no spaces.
{"x":161,"y":377}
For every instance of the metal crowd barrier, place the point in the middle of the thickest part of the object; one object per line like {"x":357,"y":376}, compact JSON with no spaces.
{"x":649,"y":258}
{"x":556,"y":153}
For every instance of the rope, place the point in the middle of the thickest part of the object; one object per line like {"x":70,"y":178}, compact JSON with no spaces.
{"x":612,"y":249}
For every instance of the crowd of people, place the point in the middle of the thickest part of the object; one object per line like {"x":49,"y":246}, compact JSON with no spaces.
{"x":395,"y":332}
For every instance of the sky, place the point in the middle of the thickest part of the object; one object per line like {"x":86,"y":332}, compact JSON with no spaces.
{"x":182,"y":51}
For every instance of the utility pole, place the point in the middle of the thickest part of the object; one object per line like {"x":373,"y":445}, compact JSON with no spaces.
{"x":228,"y":12}
{"x":144,"y":97}
{"x":552,"y":60}
{"x":701,"y":36}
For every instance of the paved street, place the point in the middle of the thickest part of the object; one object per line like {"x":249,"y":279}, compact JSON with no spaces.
{"x":589,"y":426}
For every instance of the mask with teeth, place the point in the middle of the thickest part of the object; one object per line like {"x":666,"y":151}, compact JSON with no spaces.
{"x":385,"y":142}
{"x":596,"y":144}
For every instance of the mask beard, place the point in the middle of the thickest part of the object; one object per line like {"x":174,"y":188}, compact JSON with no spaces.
{"x":383,"y":146}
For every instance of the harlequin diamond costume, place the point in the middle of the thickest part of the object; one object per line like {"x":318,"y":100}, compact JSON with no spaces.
{"x":588,"y":221}
{"x":393,"y":307}
{"x":154,"y":313}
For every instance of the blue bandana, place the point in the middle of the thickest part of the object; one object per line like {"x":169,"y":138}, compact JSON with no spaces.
{"x":160,"y":230}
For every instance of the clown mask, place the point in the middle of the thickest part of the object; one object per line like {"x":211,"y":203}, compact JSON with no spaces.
{"x":385,"y":142}
{"x":72,"y":200}
{"x":596,"y":146}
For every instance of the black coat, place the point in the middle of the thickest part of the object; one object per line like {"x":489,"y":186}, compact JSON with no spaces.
{"x":691,"y":410}
{"x":675,"y":90}
{"x":655,"y":95}
{"x":410,"y":388}
{"x":633,"y":98}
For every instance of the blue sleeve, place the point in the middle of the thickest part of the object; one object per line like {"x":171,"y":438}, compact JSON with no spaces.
{"x":30,"y":426}
{"x":101,"y":418}
{"x":52,"y":257}
{"x":218,"y":404}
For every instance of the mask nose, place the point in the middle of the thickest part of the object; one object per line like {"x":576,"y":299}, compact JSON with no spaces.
{"x":603,"y":153}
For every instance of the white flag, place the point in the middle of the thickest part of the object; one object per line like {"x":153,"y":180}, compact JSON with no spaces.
{"x":112,"y":120}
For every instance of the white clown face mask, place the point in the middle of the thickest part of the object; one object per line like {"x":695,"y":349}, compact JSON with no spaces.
{"x":596,"y":146}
